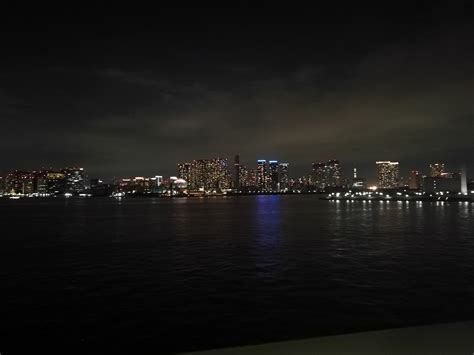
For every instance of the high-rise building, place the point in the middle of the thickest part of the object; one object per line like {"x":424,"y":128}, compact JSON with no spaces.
{"x":284,"y":178}
{"x":252,"y":179}
{"x":387,"y":174}
{"x":327,"y":174}
{"x":218,"y":174}
{"x":74,"y":179}
{"x":205,"y":174}
{"x":243,"y":177}
{"x":183,"y":171}
{"x":236,"y":173}
{"x":262,"y":174}
{"x":273,"y":176}
{"x":318,"y":178}
{"x":437,"y":170}
{"x":415,"y":180}
{"x":42,"y":182}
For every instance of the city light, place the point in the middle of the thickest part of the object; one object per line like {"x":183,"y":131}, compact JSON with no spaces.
{"x":216,"y":177}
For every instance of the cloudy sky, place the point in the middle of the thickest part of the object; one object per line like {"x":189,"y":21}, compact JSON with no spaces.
{"x":134,"y":95}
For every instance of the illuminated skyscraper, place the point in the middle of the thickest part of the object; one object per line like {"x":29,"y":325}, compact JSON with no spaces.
{"x":42,"y":182}
{"x":327,"y":174}
{"x":387,"y":174}
{"x":236,"y":173}
{"x":284,"y":178}
{"x":205,"y":174}
{"x":74,"y":179}
{"x":184,"y":170}
{"x":273,"y":178}
{"x":243,"y":176}
{"x":262,"y":175}
{"x":252,"y":178}
{"x":437,"y":170}
{"x":217,"y":174}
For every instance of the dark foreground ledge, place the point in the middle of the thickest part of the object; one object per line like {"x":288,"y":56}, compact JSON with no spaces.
{"x":449,"y":338}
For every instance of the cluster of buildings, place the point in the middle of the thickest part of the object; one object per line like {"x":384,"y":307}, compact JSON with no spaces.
{"x":205,"y":174}
{"x":267,"y":176}
{"x":217,"y":176}
{"x":44,"y":182}
{"x":272,"y":176}
{"x":438,"y":179}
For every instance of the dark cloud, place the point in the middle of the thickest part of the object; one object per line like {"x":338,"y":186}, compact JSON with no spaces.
{"x":125,"y":103}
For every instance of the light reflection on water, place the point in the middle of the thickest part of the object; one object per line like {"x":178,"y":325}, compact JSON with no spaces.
{"x":229,"y":271}
{"x":268,"y":235}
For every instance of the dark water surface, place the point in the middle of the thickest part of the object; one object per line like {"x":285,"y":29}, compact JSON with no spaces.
{"x":165,"y":275}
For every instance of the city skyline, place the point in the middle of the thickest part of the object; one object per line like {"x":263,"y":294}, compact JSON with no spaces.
{"x":216,"y":175}
{"x":346,"y":169}
{"x":365,"y":168}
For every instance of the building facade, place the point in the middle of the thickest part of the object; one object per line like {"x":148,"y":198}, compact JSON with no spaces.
{"x":283,"y":177}
{"x":74,"y":179}
{"x":205,"y":174}
{"x":387,"y":174}
{"x":326,"y":174}
{"x":273,"y":176}
{"x":236,"y":173}
{"x":261,"y":175}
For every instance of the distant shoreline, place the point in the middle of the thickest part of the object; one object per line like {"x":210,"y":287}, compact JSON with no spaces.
{"x":319,"y":195}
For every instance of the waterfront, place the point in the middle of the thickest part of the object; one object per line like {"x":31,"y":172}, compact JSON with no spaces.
{"x":186,"y":274}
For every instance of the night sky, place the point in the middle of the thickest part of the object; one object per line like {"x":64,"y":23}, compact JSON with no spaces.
{"x":135,"y":95}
